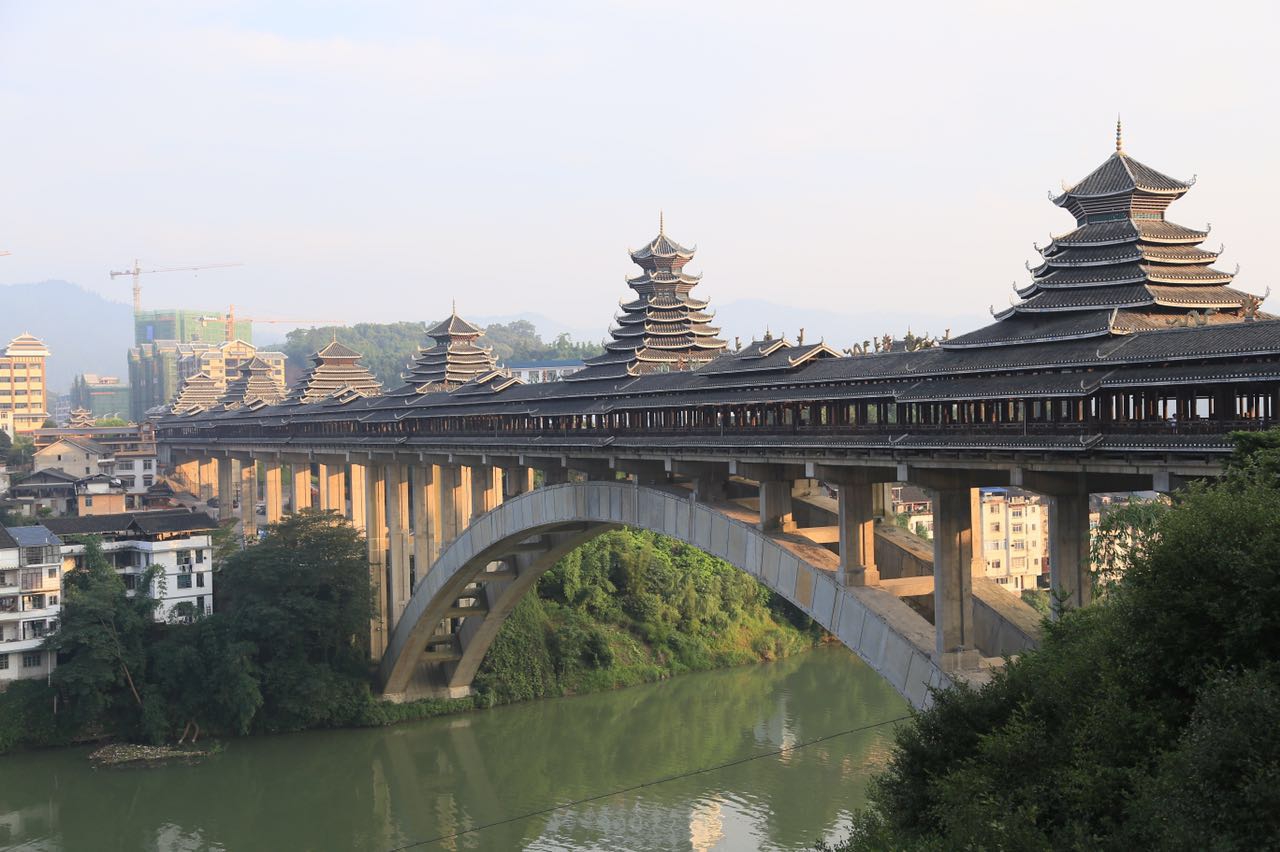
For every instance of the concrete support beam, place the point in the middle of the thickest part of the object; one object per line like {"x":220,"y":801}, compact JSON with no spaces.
{"x":455,"y":504}
{"x":759,"y":472}
{"x":249,"y":498}
{"x":358,"y":488}
{"x":516,"y":480}
{"x":207,"y":472}
{"x":1070,"y":574}
{"x":592,"y":469}
{"x":274,"y":482}
{"x":643,"y":471}
{"x":226,"y":488}
{"x":486,"y":489}
{"x":953,"y":579}
{"x":187,"y":472}
{"x":775,"y":506}
{"x":398,"y":540}
{"x":710,"y":480}
{"x":426,"y":518}
{"x":375,"y":531}
{"x":301,"y":485}
{"x":857,"y":526}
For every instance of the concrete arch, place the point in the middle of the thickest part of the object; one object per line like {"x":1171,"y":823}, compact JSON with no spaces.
{"x":481,"y":575}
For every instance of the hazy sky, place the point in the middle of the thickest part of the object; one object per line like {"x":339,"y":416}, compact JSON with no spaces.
{"x":374,"y":160}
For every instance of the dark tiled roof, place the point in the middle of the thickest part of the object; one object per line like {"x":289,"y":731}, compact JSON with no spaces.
{"x":7,"y":542}
{"x":146,"y":523}
{"x":38,"y":535}
{"x":1121,"y":173}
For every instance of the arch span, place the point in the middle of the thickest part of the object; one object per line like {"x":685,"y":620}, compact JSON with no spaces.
{"x":457,"y":609}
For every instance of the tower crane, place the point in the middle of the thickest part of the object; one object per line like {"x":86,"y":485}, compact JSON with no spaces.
{"x":231,"y":320}
{"x":138,"y":270}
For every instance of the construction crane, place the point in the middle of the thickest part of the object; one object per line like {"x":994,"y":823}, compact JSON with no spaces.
{"x":138,"y":270}
{"x":231,"y":321}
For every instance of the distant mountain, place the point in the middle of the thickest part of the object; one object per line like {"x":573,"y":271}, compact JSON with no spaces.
{"x":84,"y":332}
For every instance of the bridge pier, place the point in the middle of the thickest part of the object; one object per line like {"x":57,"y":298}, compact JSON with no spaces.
{"x":274,"y":483}
{"x":249,"y":498}
{"x":226,"y":488}
{"x":206,"y":473}
{"x":426,"y":518}
{"x":1070,"y":570}
{"x":398,"y":581}
{"x":300,"y":485}
{"x":856,"y":492}
{"x":375,"y":529}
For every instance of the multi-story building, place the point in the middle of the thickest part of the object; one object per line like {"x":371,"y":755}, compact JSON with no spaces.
{"x":158,"y":369}
{"x":101,"y":396}
{"x":1015,"y":537}
{"x":30,"y":600}
{"x":177,"y":542}
{"x":23,"y":391}
{"x":186,"y":326}
{"x":77,"y":456}
{"x":133,"y":448}
{"x":911,"y":505}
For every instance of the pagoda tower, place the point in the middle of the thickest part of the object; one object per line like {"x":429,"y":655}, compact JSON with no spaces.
{"x":81,"y":418}
{"x":1124,"y":268}
{"x":334,"y":368}
{"x":199,"y":392}
{"x":454,"y":358}
{"x":664,"y":328}
{"x":254,"y":384}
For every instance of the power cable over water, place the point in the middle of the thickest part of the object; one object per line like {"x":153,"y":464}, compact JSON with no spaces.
{"x":622,"y":790}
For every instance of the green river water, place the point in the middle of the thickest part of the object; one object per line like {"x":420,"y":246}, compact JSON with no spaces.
{"x":392,"y":787}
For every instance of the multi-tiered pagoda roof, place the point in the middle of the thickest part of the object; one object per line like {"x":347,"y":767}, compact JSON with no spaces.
{"x":199,"y":392}
{"x":81,"y":418}
{"x":253,"y":385}
{"x":1124,"y":267}
{"x":664,"y":328}
{"x":454,"y":359}
{"x":334,"y":369}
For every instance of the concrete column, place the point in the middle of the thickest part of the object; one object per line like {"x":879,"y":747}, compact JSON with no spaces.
{"x":426,"y":518}
{"x":455,"y":504}
{"x":322,"y":478}
{"x":775,"y":506}
{"x":226,"y":488}
{"x":555,"y":475}
{"x":710,"y":486}
{"x":374,"y":516}
{"x":953,"y":578}
{"x":275,"y":490}
{"x":516,"y":481}
{"x":249,"y":498}
{"x":357,"y":496}
{"x":486,"y":489}
{"x":207,"y":472}
{"x":1069,"y":569}
{"x":398,"y":540}
{"x":977,"y":525}
{"x":301,"y":486}
{"x":857,"y":524}
{"x":333,"y":485}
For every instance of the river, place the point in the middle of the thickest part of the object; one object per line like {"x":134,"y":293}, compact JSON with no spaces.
{"x":387,"y":788}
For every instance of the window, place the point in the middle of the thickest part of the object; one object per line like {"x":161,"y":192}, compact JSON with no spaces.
{"x":147,"y":463}
{"x":88,"y":500}
{"x":1017,"y":513}
{"x":53,"y":574}
{"x":993,"y":509}
{"x":184,"y":581}
{"x":199,"y":557}
{"x":53,"y":600}
{"x":200,"y":604}
{"x":1019,"y":563}
{"x":1019,"y":545}
{"x":31,"y":661}
{"x":1017,"y":528}
{"x":4,"y":661}
{"x":148,"y":480}
{"x":200,"y":580}
{"x":995,"y":564}
{"x":995,"y":526}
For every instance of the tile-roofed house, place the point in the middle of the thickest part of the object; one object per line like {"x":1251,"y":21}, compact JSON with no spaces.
{"x":334,"y":368}
{"x":665,"y":328}
{"x":1124,"y":268}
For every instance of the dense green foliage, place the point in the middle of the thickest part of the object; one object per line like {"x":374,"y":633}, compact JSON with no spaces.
{"x":287,"y":648}
{"x":1148,"y":720}
{"x":388,"y":347}
{"x":630,"y":607}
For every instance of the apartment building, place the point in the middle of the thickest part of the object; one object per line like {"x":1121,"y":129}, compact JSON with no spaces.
{"x":133,"y":447}
{"x":177,"y":542}
{"x":1015,"y":537}
{"x":30,"y":600}
{"x":23,"y":390}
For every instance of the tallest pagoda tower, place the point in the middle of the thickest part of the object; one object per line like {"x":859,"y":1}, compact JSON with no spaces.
{"x":664,"y":328}
{"x":1124,"y":268}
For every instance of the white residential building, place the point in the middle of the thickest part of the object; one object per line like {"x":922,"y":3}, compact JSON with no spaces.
{"x":177,"y":542}
{"x":30,"y":600}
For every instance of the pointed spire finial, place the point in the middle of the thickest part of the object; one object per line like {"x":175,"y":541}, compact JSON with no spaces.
{"x":453,"y":307}
{"x":662,"y":225}
{"x":1119,"y":137}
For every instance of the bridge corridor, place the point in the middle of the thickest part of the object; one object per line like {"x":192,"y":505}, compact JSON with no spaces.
{"x":455,"y":541}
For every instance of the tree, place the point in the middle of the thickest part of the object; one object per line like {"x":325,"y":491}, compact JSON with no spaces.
{"x":21,"y":452}
{"x":1146,"y":720}
{"x":101,"y":643}
{"x":208,"y":677}
{"x":111,"y":421}
{"x":301,"y":597}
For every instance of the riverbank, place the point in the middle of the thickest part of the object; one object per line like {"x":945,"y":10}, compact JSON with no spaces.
{"x":627,"y":608}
